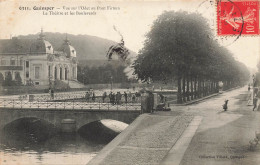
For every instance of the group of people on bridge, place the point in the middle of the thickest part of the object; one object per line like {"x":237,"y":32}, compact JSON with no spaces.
{"x":114,"y":97}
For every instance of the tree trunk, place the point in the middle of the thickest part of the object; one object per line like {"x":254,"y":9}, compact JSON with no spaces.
{"x":199,"y":88}
{"x":179,"y":95}
{"x":183,"y":89}
{"x":203,"y":88}
{"x":191,"y":88}
{"x":188,"y":88}
{"x":195,"y":88}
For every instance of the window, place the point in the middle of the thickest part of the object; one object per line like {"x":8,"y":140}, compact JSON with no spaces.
{"x":27,"y":74}
{"x":55,"y":73}
{"x":73,"y":72}
{"x":21,"y":61}
{"x":37,"y":83}
{"x":61,"y":74}
{"x":37,"y":72}
{"x":12,"y":61}
{"x":27,"y":64}
{"x":3,"y":62}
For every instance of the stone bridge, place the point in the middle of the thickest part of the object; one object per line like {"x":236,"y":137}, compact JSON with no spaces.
{"x":59,"y":117}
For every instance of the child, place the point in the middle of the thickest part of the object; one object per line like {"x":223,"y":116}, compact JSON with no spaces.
{"x":225,"y":107}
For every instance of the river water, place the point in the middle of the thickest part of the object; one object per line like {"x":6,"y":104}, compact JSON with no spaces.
{"x":21,"y":144}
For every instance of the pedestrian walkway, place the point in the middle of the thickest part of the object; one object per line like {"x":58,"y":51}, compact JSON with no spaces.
{"x":148,"y":140}
{"x":175,"y":155}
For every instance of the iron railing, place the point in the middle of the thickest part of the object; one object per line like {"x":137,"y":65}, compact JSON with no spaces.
{"x":74,"y":96}
{"x":68,"y":105}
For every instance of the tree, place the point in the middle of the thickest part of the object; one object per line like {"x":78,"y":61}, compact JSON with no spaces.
{"x":103,"y":74}
{"x":8,"y":80}
{"x":18,"y":79}
{"x":180,"y":46}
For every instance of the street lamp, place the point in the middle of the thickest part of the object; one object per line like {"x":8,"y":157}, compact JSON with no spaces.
{"x":50,"y":84}
{"x":68,"y":77}
{"x":111,"y":79}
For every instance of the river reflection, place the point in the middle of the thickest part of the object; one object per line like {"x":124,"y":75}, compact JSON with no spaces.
{"x":59,"y":149}
{"x":31,"y":141}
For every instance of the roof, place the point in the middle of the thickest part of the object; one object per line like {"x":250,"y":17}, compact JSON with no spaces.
{"x":25,"y":46}
{"x":34,"y":46}
{"x":68,"y":49}
{"x":15,"y":46}
{"x":41,"y":46}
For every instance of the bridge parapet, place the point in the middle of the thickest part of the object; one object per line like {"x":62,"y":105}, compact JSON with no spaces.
{"x":72,"y":105}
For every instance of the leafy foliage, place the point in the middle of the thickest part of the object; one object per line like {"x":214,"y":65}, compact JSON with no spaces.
{"x":179,"y":44}
{"x":101,"y":74}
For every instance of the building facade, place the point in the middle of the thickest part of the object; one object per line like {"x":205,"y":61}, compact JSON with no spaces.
{"x":37,"y":62}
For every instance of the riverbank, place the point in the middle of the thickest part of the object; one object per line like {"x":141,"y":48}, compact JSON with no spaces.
{"x":146,"y":141}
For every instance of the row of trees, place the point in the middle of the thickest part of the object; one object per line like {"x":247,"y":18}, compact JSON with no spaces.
{"x":101,"y":75}
{"x":181,"y":46}
{"x":8,"y":81}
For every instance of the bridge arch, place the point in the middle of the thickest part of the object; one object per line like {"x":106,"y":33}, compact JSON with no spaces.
{"x":56,"y":116}
{"x":32,"y":119}
{"x":103,"y":117}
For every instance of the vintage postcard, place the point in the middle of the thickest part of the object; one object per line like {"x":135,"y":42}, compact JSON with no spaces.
{"x":160,"y":82}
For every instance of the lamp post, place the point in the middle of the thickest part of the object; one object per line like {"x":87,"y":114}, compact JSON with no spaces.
{"x":111,"y":79}
{"x":50,"y":84}
{"x":68,"y":77}
{"x":83,"y":77}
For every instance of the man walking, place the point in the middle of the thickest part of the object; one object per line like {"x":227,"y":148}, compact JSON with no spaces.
{"x":255,"y":102}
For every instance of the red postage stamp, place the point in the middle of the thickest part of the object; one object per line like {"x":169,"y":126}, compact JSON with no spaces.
{"x":238,"y":17}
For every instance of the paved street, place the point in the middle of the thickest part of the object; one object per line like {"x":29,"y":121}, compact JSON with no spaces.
{"x":223,"y":137}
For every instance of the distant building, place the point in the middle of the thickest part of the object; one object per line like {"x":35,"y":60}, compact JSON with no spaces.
{"x":37,"y":62}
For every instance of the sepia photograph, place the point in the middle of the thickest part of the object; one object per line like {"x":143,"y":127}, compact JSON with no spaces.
{"x":140,"y":82}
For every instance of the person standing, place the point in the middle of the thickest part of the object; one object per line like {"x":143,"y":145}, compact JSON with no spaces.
{"x":93,"y":97}
{"x":125,"y":95}
{"x":110,"y":97}
{"x":87,"y":96}
{"x":255,"y":100}
{"x":133,"y":98}
{"x":104,"y":96}
{"x":113,"y":98}
{"x":119,"y":97}
{"x":52,"y":94}
{"x":129,"y":96}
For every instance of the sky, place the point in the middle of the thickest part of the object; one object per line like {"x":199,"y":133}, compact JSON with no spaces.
{"x":133,"y":19}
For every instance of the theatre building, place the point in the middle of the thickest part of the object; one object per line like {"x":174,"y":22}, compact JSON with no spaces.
{"x":37,"y":62}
